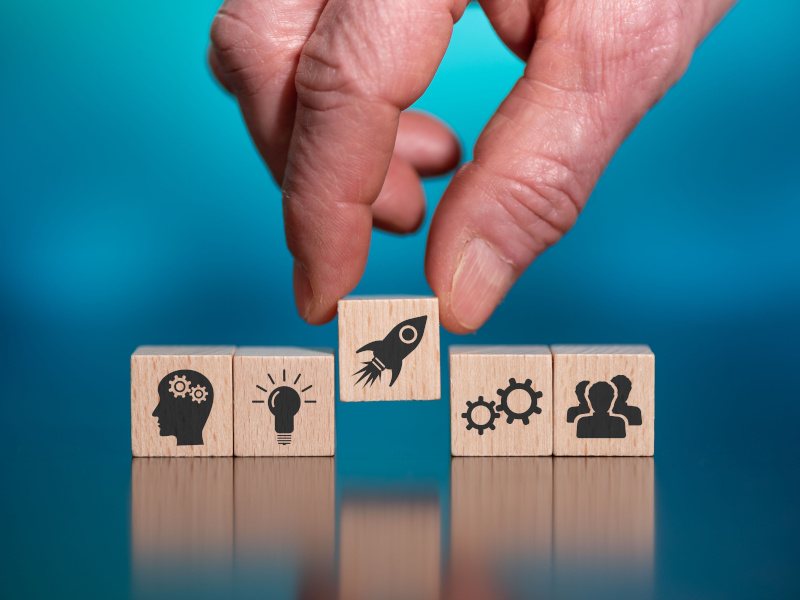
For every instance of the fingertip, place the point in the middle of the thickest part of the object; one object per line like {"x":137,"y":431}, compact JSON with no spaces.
{"x":311,"y":308}
{"x":480,"y":281}
{"x":400,"y":206}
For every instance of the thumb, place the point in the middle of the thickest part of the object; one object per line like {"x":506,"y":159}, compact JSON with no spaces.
{"x":587,"y":83}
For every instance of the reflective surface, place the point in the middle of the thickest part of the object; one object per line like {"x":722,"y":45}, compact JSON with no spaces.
{"x":517,"y":526}
{"x":135,"y":210}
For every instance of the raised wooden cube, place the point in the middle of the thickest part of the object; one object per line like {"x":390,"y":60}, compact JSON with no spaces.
{"x":604,"y":400}
{"x":182,"y":401}
{"x":501,"y":401}
{"x":389,"y":348}
{"x":283,"y":402}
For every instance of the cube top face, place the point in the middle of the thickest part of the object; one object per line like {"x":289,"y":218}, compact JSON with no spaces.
{"x":604,"y":400}
{"x":184,"y":350}
{"x":601,"y":349}
{"x":389,"y":349}
{"x":287,"y":351}
{"x":182,"y":401}
{"x":501,"y":401}
{"x":283,"y":402}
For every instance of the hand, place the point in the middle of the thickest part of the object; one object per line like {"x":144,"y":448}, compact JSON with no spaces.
{"x":322,"y":85}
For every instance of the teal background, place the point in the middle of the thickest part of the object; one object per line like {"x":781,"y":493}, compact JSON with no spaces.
{"x":135,"y":210}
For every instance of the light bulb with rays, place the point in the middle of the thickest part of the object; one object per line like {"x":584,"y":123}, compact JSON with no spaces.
{"x":284,"y":402}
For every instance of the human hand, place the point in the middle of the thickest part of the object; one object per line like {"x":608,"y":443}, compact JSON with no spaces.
{"x":322,"y":85}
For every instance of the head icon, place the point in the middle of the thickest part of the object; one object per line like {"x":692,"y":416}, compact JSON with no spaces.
{"x":185,"y":398}
{"x":601,"y":394}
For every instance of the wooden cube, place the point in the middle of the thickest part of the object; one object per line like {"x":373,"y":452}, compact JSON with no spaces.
{"x":283,"y":402}
{"x":604,"y":400}
{"x":389,"y":348}
{"x":182,"y":401}
{"x":501,"y":401}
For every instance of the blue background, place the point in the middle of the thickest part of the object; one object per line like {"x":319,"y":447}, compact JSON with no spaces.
{"x":135,"y":210}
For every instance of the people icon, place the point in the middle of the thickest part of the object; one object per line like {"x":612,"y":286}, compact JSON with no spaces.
{"x":184,"y":402}
{"x":592,"y":413}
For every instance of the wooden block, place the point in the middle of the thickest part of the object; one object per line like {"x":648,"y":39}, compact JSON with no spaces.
{"x":284,"y":510}
{"x":390,"y":547}
{"x":604,"y":513}
{"x":501,"y":401}
{"x":182,"y":401}
{"x":604,"y":400}
{"x":283,"y":402}
{"x":389,"y":348}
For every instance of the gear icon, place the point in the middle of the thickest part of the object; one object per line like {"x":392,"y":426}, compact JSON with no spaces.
{"x":199,"y":394}
{"x":179,"y":386}
{"x":526,"y":387}
{"x":471,"y":407}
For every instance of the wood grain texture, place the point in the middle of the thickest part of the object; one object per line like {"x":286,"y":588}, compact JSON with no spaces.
{"x":501,"y":510}
{"x":258,"y":371}
{"x":366,"y":319}
{"x":574,"y":364}
{"x":181,"y":513}
{"x":390,"y":548}
{"x":151,"y":364}
{"x":604,"y":512}
{"x":483,"y":370}
{"x":284,"y":508}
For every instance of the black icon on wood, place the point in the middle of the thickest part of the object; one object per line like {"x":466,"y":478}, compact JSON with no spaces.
{"x":185,"y":398}
{"x":284,"y":403}
{"x":592,"y":413}
{"x":390,"y":352}
{"x":485,"y":417}
{"x":487,"y":413}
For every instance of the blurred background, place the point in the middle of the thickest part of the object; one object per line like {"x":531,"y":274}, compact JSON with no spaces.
{"x":136,"y":211}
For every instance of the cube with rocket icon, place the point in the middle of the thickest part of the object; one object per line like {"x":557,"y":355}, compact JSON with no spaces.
{"x":389,"y":348}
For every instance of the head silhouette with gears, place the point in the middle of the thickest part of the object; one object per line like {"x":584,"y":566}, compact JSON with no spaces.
{"x":184,"y":402}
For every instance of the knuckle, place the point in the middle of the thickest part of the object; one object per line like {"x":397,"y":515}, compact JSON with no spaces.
{"x":660,"y":40}
{"x":542,"y":207}
{"x":248,"y":47}
{"x":327,"y":74}
{"x":636,"y":42}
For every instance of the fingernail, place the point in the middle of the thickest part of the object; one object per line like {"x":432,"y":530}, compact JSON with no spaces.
{"x":481,"y":280}
{"x":303,"y":294}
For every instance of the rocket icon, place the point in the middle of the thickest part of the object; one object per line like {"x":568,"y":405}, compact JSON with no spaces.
{"x":389,"y":352}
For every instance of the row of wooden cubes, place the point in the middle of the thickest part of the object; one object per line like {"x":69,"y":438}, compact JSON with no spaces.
{"x":505,"y":401}
{"x":562,"y":400}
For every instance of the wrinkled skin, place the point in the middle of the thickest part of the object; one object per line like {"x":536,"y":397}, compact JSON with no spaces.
{"x":323,"y":85}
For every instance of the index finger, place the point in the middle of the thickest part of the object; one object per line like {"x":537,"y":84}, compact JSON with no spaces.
{"x":363,"y":64}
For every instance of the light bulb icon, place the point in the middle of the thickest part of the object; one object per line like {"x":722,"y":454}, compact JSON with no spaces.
{"x":284,"y":402}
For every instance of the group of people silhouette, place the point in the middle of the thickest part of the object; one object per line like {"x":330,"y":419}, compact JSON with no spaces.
{"x":594,"y":420}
